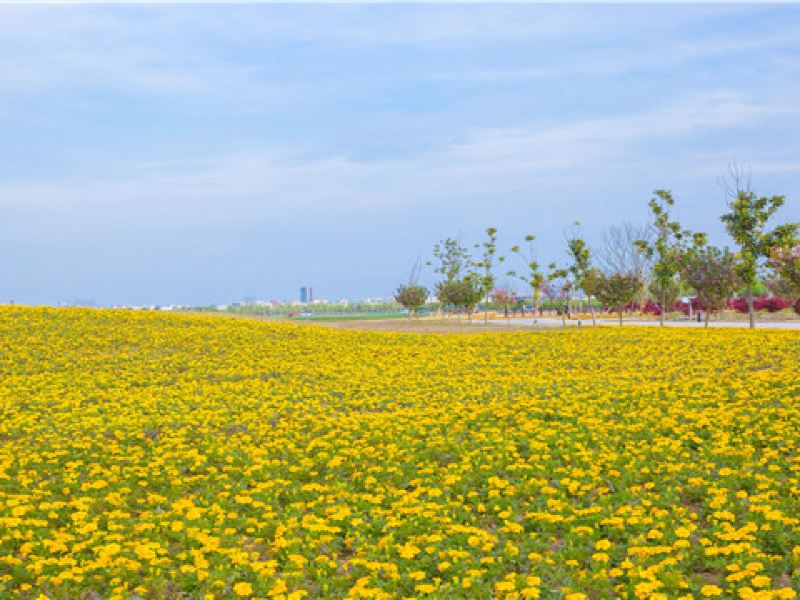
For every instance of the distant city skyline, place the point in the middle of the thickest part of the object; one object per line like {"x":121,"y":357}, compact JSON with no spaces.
{"x":200,"y":154}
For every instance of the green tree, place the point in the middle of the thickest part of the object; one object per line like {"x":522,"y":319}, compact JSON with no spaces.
{"x":713,"y":274}
{"x":485,"y":265}
{"x":591,"y":282}
{"x":469,"y":292}
{"x":558,"y":289}
{"x":581,"y":266}
{"x":450,"y":260}
{"x":412,"y":297}
{"x":664,"y":249}
{"x":747,"y":223}
{"x":667,"y":293}
{"x":448,"y":293}
{"x":618,"y":290}
{"x":532,"y":275}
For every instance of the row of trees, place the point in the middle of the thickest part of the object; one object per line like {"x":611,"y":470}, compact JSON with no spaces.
{"x":661,"y":260}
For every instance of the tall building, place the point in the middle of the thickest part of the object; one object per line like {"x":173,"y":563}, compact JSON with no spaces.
{"x":310,"y":294}
{"x":304,"y":294}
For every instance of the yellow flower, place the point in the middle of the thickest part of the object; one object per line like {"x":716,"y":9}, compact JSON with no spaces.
{"x":504,"y":586}
{"x":711,"y":590}
{"x":603,"y":545}
{"x":761,"y":581}
{"x":243,"y":589}
{"x":140,"y":444}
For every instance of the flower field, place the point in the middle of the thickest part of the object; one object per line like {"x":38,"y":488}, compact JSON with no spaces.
{"x":154,"y":455}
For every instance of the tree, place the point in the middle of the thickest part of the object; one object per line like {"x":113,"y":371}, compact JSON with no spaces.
{"x":713,"y":274}
{"x":590,"y":283}
{"x":618,"y":252}
{"x":533,"y":275}
{"x":486,"y":264}
{"x":581,"y":266}
{"x":664,"y":249}
{"x":785,"y":266}
{"x":412,"y":297}
{"x":667,"y":293}
{"x":746,"y":223}
{"x":449,"y":293}
{"x":505,"y":298}
{"x":451,"y":257}
{"x":558,"y":290}
{"x":618,"y":290}
{"x":450,"y":260}
{"x":469,"y":292}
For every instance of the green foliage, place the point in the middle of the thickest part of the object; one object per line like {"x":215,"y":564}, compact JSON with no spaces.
{"x":464,"y":293}
{"x":591,"y":281}
{"x":666,"y":249}
{"x":581,"y":257}
{"x":532,"y":275}
{"x":558,"y":288}
{"x":667,"y":292}
{"x":451,"y":258}
{"x":412,"y":297}
{"x":485,"y":265}
{"x":713,"y":275}
{"x":447,"y":293}
{"x":558,"y":278}
{"x":617,"y":290}
{"x":472,"y":292}
{"x":747,"y":222}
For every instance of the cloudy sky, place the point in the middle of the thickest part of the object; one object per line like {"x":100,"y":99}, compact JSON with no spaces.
{"x":193,"y":154}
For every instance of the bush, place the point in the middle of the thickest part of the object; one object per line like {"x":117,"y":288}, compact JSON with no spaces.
{"x":769,"y":303}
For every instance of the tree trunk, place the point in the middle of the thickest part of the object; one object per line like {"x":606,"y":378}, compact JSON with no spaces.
{"x":707,"y":311}
{"x":642,"y":299}
{"x":663,"y":306}
{"x":750,"y":309}
{"x":620,"y":318}
{"x":591,"y":309}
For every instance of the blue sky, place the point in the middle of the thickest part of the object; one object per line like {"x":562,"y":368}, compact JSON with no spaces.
{"x":193,"y":154}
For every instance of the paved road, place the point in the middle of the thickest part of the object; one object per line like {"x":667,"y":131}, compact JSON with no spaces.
{"x":556,"y":322}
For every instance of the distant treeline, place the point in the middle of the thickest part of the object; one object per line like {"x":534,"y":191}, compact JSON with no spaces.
{"x":648,"y":266}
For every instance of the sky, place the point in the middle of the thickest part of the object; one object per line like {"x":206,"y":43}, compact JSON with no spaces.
{"x":204,"y":154}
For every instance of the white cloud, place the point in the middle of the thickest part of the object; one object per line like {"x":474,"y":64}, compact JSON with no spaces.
{"x":176,"y":50}
{"x":228,"y":190}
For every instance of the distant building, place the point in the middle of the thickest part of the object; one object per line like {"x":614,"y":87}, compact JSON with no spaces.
{"x":303,"y":294}
{"x":310,"y":294}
